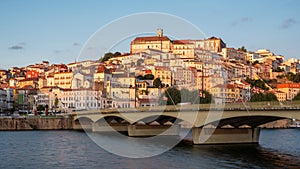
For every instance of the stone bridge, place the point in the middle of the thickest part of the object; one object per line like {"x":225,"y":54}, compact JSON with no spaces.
{"x":222,"y":124}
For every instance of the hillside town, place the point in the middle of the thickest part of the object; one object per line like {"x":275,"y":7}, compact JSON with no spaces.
{"x":140,"y":78}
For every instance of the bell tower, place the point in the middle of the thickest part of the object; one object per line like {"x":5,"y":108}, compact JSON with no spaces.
{"x":160,"y":32}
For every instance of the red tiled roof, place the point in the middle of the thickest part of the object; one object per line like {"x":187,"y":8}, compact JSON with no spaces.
{"x":148,"y":71}
{"x":27,"y":87}
{"x":5,"y":85}
{"x":288,"y":85}
{"x":29,"y":79}
{"x":183,"y":41}
{"x":161,"y":68}
{"x":228,"y":86}
{"x":150,"y":38}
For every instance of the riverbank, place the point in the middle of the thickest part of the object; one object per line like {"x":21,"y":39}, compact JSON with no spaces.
{"x":36,"y":123}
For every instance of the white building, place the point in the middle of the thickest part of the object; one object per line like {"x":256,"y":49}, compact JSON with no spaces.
{"x":10,"y":98}
{"x":3,"y":103}
{"x":74,"y":99}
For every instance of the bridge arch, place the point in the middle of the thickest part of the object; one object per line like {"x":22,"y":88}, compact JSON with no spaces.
{"x":83,"y":120}
{"x":240,"y":121}
{"x":160,"y":119}
{"x":112,"y":119}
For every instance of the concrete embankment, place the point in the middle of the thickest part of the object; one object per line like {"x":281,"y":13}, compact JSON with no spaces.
{"x":36,"y":123}
{"x":284,"y":123}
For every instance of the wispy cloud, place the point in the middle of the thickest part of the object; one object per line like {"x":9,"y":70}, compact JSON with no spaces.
{"x":19,"y":46}
{"x":16,"y":47}
{"x":288,"y":23}
{"x":76,"y":44}
{"x":57,"y":51}
{"x":22,"y":43}
{"x":241,"y":21}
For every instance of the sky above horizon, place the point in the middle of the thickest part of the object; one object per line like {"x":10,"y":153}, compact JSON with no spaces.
{"x":56,"y":30}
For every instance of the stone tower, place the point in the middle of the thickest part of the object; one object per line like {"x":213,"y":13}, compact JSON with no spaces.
{"x":159,"y":32}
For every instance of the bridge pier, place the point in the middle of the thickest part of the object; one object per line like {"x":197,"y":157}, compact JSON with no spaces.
{"x":152,"y":130}
{"x":79,"y":126}
{"x":225,"y":135}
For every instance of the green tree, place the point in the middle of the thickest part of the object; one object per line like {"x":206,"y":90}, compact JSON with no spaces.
{"x":56,"y":102}
{"x":157,"y":83}
{"x":106,"y":57}
{"x":205,"y":97}
{"x":173,"y":96}
{"x":195,"y":96}
{"x":140,"y":77}
{"x":297,"y":78}
{"x":117,"y":54}
{"x":260,"y":97}
{"x":278,"y":69}
{"x":255,"y":62}
{"x":149,"y":77}
{"x":242,"y":49}
{"x":257,"y":83}
{"x":290,"y":76}
{"x":109,"y":55}
{"x":185,"y":95}
{"x":270,"y":97}
{"x":279,"y":76}
{"x":40,"y":108}
{"x":139,"y":62}
{"x":297,"y":97}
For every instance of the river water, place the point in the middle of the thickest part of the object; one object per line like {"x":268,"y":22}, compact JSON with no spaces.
{"x":278,"y":148}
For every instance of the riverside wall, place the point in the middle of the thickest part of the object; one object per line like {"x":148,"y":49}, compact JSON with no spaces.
{"x":54,"y":123}
{"x":284,"y":123}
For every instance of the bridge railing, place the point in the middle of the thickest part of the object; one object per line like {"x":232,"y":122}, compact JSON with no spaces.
{"x":228,"y":106}
{"x":264,"y":105}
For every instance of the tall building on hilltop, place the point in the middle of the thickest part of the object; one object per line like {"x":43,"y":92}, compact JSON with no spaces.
{"x":159,"y":42}
{"x":183,"y":48}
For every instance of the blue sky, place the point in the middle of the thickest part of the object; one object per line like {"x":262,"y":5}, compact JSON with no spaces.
{"x":56,"y":30}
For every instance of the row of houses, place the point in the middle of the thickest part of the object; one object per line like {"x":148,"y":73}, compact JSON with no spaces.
{"x":192,"y":64}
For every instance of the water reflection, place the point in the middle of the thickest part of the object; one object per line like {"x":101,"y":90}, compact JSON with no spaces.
{"x":72,"y":149}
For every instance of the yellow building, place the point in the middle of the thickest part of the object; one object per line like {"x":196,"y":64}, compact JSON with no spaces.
{"x":281,"y":96}
{"x":28,"y":82}
{"x":212,"y":44}
{"x":231,"y":92}
{"x":291,"y":89}
{"x":183,"y":48}
{"x":164,"y":73}
{"x":63,"y":79}
{"x":158,"y":42}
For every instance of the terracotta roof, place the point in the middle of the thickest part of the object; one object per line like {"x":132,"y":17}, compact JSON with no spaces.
{"x":150,"y":38}
{"x":183,"y":41}
{"x":27,"y":87}
{"x":228,"y":86}
{"x":47,"y":87}
{"x":213,"y":38}
{"x":29,"y":79}
{"x":5,"y":85}
{"x":288,"y":85}
{"x":102,"y":69}
{"x":148,"y":71}
{"x":162,"y":68}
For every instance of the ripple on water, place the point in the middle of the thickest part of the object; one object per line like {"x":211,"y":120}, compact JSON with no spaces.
{"x":72,"y":149}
